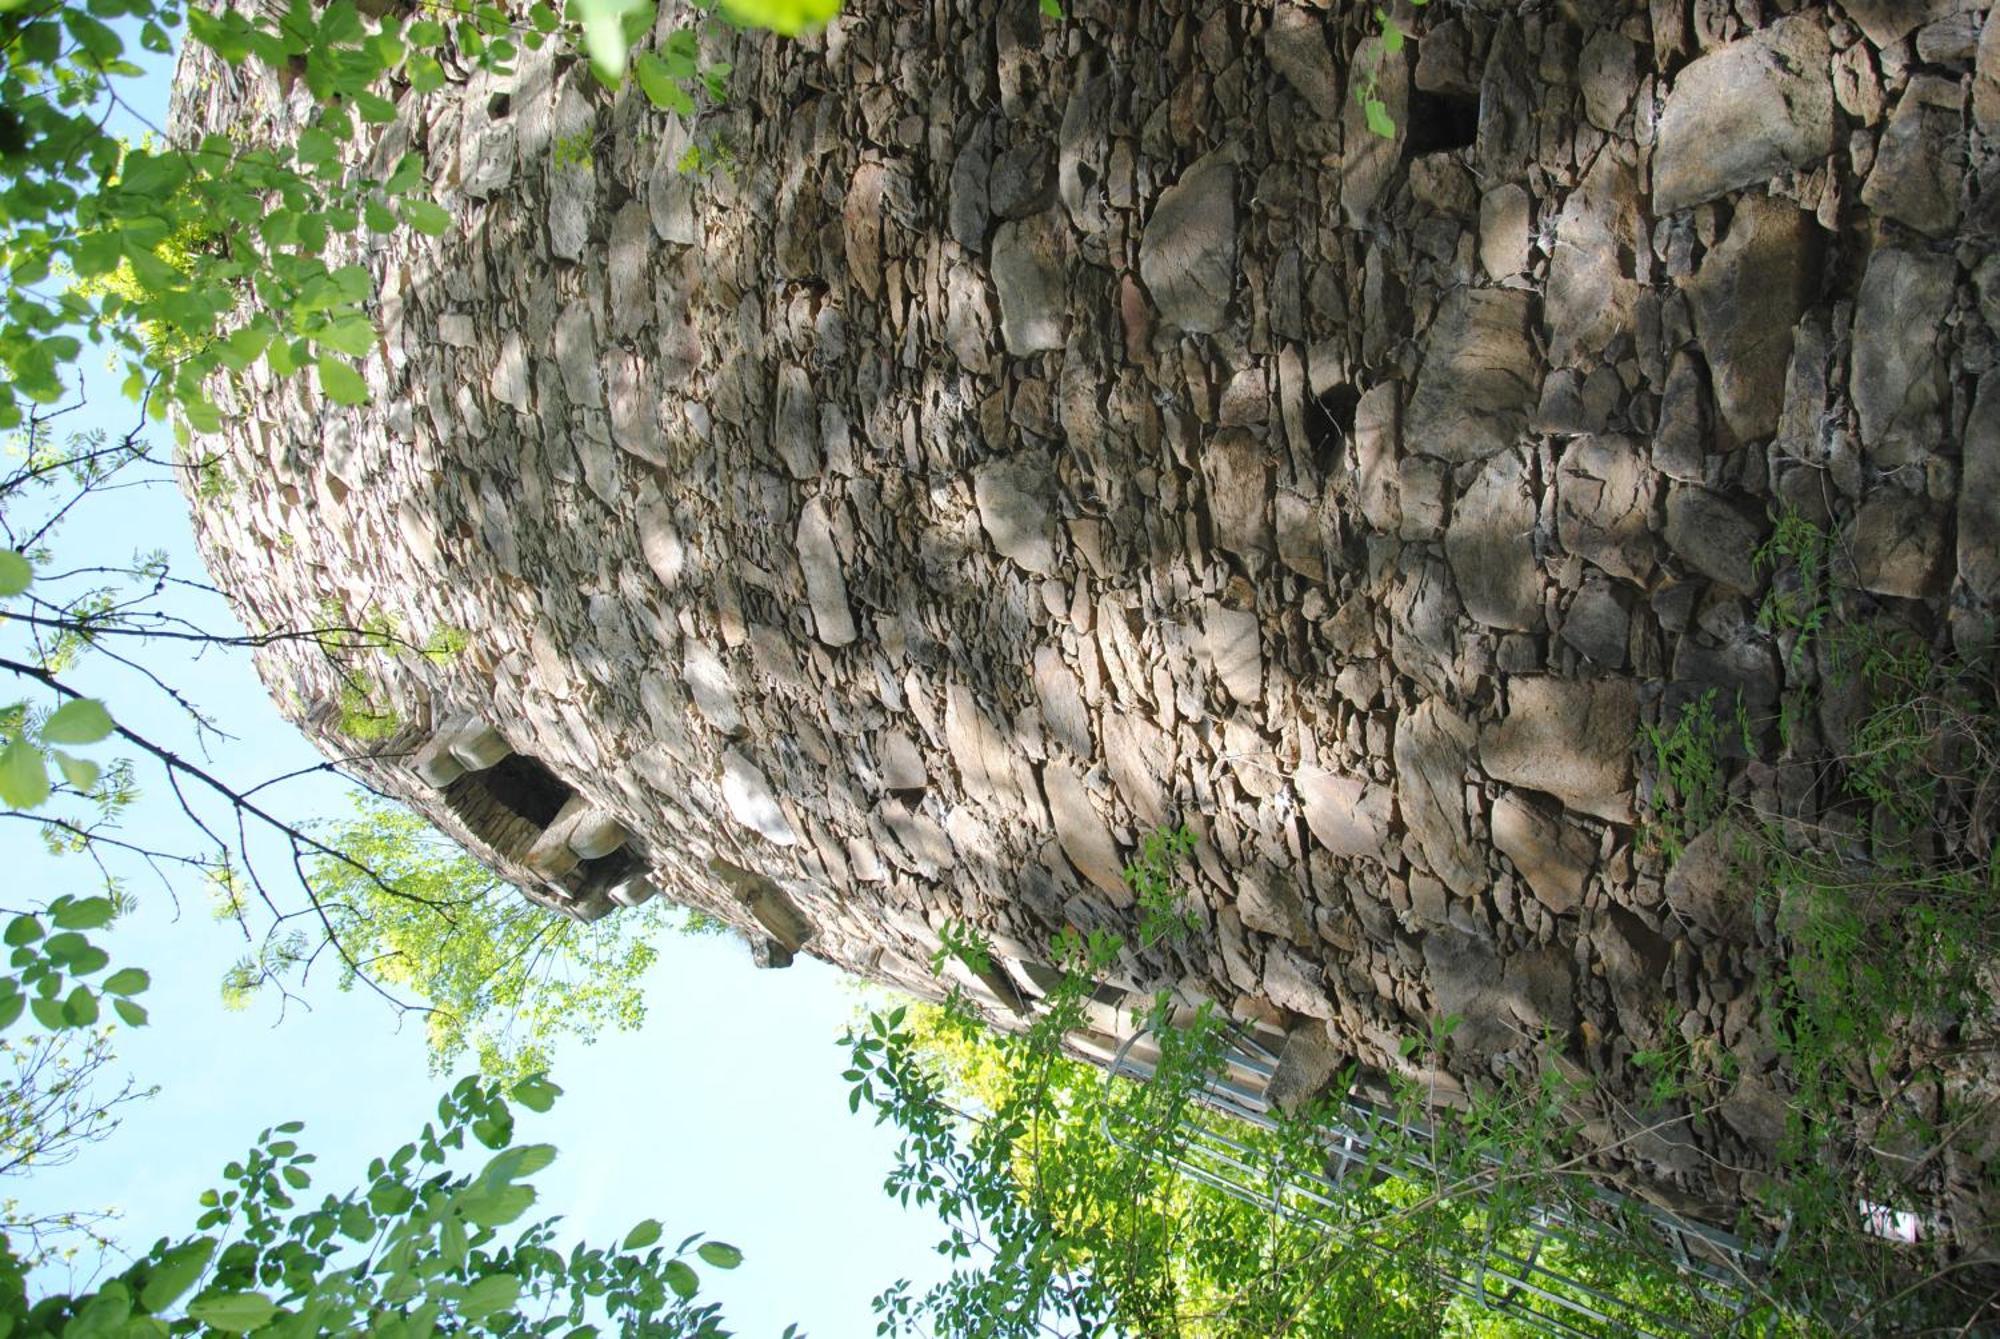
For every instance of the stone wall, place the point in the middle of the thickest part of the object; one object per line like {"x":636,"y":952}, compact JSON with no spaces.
{"x":1040,"y":432}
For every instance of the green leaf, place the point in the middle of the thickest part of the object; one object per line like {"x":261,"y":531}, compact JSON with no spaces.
{"x":350,"y":334}
{"x":24,"y":777}
{"x":15,"y":573}
{"x":491,"y":1294}
{"x":82,"y":721}
{"x":81,"y":1007}
{"x":495,"y":1207}
{"x":683,"y":1280}
{"x":83,"y":913}
{"x":660,"y":86}
{"x":133,"y":1014}
{"x":535,"y":1093}
{"x":340,"y":382}
{"x":603,"y":24}
{"x":781,"y":16}
{"x":127,"y":981}
{"x":22,"y":930}
{"x":1392,"y":37}
{"x":1379,"y":120}
{"x":426,"y":217}
{"x":175,"y":1273}
{"x":720,"y":1254}
{"x":11,"y":1008}
{"x":79,"y":772}
{"x":642,"y":1236}
{"x":49,"y":1013}
{"x":232,"y":1313}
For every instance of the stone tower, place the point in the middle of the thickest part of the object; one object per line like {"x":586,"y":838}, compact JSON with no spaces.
{"x":1031,"y":434}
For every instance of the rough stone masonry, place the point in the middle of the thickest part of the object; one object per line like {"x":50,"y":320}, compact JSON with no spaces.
{"x":1037,"y":432}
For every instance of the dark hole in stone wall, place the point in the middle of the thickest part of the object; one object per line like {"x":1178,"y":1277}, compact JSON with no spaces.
{"x":524,"y":788}
{"x":1329,"y":423}
{"x":1438,"y":122}
{"x":602,"y":873}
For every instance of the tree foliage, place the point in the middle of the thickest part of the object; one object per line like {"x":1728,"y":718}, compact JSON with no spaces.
{"x":429,"y":1244}
{"x":504,"y":978}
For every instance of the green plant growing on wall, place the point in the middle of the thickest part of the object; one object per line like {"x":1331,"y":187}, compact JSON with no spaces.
{"x":1390,"y":40}
{"x":1153,"y":879}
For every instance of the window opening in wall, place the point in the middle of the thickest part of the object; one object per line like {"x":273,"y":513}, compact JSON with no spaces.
{"x":603,"y":873}
{"x":1439,"y":122}
{"x":526,"y":788}
{"x":1329,"y":423}
{"x":508,"y":804}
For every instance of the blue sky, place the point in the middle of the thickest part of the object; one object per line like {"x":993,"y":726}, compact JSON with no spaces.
{"x":725,"y":1113}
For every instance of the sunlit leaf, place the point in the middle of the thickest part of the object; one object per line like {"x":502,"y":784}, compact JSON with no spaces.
{"x":15,"y":573}
{"x":232,"y":1313}
{"x":340,"y":382}
{"x":82,"y":720}
{"x":24,"y":777}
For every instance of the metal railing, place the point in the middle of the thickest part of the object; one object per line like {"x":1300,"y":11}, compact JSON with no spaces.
{"x":1512,"y":1272}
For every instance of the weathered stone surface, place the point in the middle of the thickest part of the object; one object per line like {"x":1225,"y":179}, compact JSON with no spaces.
{"x":1307,"y":1064}
{"x":1898,"y":370}
{"x":752,"y":801}
{"x":1016,"y":500}
{"x":1714,"y":536}
{"x":1744,"y":113}
{"x":1609,"y":75}
{"x":1570,"y":739}
{"x":709,"y":684}
{"x":1889,"y":21}
{"x":1029,"y":256}
{"x":1234,"y":649}
{"x":1296,"y":41}
{"x":1348,"y":815}
{"x":1598,"y":623}
{"x":1605,"y":495}
{"x":1920,"y":160}
{"x":1592,"y":289}
{"x":1433,"y":748}
{"x":1686,"y":427}
{"x":1986,"y":78}
{"x":1021,"y":181}
{"x":1506,"y":216}
{"x":1085,"y":838}
{"x":1747,"y":296}
{"x":1271,"y":905}
{"x":1705,"y":888}
{"x":1897,"y":546}
{"x":1979,"y":494}
{"x":1503,"y":1004}
{"x":1490,"y":544}
{"x":1295,"y":983}
{"x":1554,"y":858}
{"x":1478,"y":381}
{"x":1634,"y":960}
{"x":1239,"y":493}
{"x":1187,"y":255}
{"x":1061,"y":698}
{"x":826,"y":585}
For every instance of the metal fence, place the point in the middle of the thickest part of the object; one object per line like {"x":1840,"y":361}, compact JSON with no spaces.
{"x":1514,"y":1272}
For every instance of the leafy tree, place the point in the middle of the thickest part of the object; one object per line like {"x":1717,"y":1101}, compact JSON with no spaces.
{"x":429,"y":1244}
{"x":504,"y":978}
{"x":53,"y":1105}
